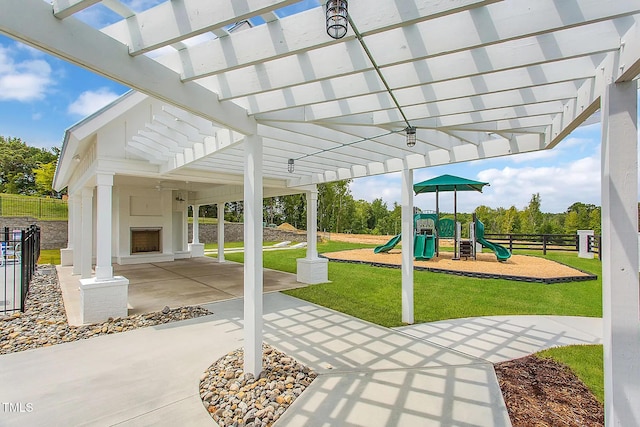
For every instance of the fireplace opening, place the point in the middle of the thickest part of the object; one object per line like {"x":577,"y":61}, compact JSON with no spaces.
{"x":146,"y":240}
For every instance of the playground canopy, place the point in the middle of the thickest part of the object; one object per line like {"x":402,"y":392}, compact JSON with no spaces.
{"x":448,"y":183}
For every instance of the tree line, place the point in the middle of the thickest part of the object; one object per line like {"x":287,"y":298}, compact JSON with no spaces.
{"x":339,"y":212}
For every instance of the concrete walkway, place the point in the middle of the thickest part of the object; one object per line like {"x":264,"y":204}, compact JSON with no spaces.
{"x":369,"y":375}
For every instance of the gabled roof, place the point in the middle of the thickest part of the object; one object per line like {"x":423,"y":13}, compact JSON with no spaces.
{"x":478,"y":78}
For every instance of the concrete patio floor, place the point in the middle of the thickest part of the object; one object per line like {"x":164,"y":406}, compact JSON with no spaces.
{"x":193,"y":281}
{"x":437,"y":374}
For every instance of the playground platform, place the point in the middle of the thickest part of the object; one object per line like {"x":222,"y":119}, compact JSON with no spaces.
{"x":518,"y":267}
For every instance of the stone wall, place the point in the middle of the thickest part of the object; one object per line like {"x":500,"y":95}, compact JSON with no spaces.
{"x":235,"y":233}
{"x":53,"y":234}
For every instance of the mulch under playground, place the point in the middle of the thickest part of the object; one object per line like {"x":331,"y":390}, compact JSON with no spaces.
{"x":518,"y":267}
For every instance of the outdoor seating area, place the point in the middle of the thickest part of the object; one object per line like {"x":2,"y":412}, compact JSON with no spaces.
{"x":153,"y":286}
{"x":228,"y":103}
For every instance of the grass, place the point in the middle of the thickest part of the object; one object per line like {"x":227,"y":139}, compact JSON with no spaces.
{"x":49,"y":256}
{"x":232,"y":245}
{"x":373,"y":293}
{"x":586,"y":361}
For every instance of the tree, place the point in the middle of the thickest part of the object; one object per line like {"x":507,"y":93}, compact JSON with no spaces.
{"x":44,"y":179}
{"x":17,"y":163}
{"x":532,"y":216}
{"x":334,"y":201}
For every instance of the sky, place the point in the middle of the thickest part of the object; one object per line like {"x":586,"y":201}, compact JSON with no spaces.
{"x":41,"y":96}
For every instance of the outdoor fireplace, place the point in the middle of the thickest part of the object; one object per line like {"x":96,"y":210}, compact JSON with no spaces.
{"x":146,"y":240}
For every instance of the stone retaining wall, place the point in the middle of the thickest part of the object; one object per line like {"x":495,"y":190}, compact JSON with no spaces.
{"x":235,"y":232}
{"x":53,"y":234}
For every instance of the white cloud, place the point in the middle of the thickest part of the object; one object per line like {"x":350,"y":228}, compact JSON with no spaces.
{"x":91,"y":101}
{"x":559,"y":185}
{"x":24,"y":81}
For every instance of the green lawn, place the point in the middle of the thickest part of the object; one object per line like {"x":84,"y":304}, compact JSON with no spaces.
{"x":373,"y":293}
{"x":49,"y":256}
{"x":231,"y":245}
{"x":586,"y":361}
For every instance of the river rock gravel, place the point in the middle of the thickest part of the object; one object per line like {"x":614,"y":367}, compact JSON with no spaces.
{"x":235,"y":399}
{"x":44,"y":321}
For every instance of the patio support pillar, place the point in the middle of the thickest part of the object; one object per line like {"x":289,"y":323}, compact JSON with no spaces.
{"x":104,"y":295}
{"x":76,"y":224}
{"x":312,"y":269}
{"x":195,"y":247}
{"x":87,"y":233}
{"x":66,"y":254}
{"x":220,"y":207}
{"x":620,"y":293}
{"x":407,"y":246}
{"x":253,"y":271}
{"x":104,"y":184}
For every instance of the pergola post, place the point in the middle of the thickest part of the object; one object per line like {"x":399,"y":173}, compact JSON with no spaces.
{"x":312,"y":269}
{"x":195,"y":247}
{"x":407,"y":246}
{"x":253,"y":271}
{"x":620,"y":293}
{"x":220,"y":207}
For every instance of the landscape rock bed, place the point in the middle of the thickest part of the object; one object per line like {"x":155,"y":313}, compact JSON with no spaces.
{"x":235,"y":399}
{"x":44,"y":321}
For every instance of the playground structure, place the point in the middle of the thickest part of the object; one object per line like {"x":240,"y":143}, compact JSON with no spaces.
{"x":428,"y":228}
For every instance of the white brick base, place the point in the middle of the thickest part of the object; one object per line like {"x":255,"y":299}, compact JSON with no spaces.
{"x":312,"y":271}
{"x":100,"y":300}
{"x":66,"y":256}
{"x":196,"y":249}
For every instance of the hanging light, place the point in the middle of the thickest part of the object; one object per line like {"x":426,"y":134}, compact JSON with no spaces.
{"x":411,"y":136}
{"x":336,"y":18}
{"x":290,"y":166}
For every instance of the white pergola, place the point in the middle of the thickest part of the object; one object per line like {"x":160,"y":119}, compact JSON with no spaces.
{"x":477,"y":78}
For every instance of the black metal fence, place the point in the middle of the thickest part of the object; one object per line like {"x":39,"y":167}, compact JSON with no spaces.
{"x":19,"y":252}
{"x":543,"y":242}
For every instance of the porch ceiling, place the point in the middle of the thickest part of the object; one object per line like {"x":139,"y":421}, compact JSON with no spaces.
{"x":478,"y":78}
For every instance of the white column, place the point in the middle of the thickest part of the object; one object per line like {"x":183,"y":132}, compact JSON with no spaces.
{"x":312,"y":269}
{"x":407,"y":246}
{"x":196,"y":225}
{"x":104,"y":209}
{"x":77,"y":233}
{"x":312,"y":224}
{"x":620,"y":293}
{"x":86,"y":247}
{"x":66,"y":254}
{"x":220,"y":207}
{"x":196,"y":249}
{"x":253,"y":255}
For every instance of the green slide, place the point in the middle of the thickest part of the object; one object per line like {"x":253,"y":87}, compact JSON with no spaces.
{"x":389,"y":245}
{"x":424,"y":246}
{"x":501,"y":252}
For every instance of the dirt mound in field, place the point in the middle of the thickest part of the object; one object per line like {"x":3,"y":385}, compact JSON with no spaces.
{"x":285,"y":226}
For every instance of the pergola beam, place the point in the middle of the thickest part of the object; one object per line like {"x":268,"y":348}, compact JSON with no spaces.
{"x":165,"y":23}
{"x":80,"y":44}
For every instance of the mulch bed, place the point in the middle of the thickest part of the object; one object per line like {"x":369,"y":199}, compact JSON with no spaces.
{"x":541,"y":392}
